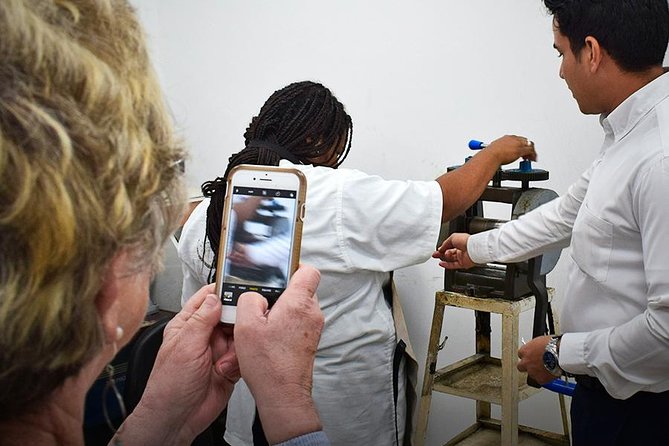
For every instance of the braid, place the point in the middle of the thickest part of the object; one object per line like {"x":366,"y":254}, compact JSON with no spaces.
{"x":215,"y":191}
{"x":305,"y":119}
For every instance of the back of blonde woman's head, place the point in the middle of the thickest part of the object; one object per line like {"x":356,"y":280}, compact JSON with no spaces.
{"x":89,"y":169}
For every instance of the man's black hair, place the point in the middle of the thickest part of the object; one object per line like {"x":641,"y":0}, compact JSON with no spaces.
{"x":634,"y":32}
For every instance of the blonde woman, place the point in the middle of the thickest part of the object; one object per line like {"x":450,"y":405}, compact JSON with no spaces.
{"x":90,"y":190}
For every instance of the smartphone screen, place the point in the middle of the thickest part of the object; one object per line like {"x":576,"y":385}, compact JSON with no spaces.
{"x":259,"y":252}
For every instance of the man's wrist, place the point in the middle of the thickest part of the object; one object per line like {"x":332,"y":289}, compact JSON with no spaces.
{"x":282,"y":422}
{"x":146,"y":425}
{"x":557,"y":347}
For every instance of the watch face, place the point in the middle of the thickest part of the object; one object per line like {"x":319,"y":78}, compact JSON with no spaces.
{"x":550,"y":361}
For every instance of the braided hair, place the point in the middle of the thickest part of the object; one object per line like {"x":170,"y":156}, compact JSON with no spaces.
{"x":301,"y":122}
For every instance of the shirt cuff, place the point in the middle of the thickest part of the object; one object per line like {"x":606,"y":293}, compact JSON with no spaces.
{"x":477,"y":248}
{"x":572,"y":353}
{"x":313,"y":439}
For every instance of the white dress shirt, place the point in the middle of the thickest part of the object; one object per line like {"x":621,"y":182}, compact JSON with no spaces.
{"x":616,"y":310}
{"x":357,"y":228}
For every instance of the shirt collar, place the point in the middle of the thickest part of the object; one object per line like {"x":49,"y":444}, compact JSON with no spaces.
{"x":625,"y":117}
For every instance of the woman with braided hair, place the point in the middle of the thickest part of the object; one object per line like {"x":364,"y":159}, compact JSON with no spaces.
{"x":357,"y":229}
{"x":296,"y":123}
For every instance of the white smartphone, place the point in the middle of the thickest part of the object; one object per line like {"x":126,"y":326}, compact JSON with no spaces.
{"x":261,"y":233}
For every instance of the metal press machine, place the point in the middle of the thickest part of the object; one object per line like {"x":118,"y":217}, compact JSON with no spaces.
{"x":511,"y":281}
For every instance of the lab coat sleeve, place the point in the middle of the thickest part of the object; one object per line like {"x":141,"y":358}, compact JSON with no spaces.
{"x":191,"y":250}
{"x":383,"y":225}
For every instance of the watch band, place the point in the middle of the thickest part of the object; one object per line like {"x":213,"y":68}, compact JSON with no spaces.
{"x":551,"y":358}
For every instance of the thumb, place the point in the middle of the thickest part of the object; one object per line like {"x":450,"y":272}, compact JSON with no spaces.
{"x":301,"y":289}
{"x":303,"y":284}
{"x":250,"y":308}
{"x":201,"y":324}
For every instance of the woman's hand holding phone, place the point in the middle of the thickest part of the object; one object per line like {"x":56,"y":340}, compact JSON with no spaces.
{"x":276,"y":351}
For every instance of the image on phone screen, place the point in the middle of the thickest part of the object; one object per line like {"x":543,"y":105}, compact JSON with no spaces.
{"x":259,"y":242}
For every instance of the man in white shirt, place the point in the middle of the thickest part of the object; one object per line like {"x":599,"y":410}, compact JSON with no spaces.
{"x":616,"y":312}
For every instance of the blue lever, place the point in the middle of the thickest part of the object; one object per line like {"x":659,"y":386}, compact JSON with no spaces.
{"x":561,"y":386}
{"x":475,"y":144}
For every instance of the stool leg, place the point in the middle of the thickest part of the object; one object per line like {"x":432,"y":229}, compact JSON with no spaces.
{"x":510,"y":379}
{"x":483,"y":347}
{"x":428,"y":377}
{"x":563,"y":404}
{"x":565,"y":417}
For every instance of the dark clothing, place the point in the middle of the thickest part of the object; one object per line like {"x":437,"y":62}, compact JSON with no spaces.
{"x":598,"y":419}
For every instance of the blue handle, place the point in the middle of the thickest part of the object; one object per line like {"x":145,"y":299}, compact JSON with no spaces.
{"x":475,"y":144}
{"x":525,"y":166}
{"x":561,"y":386}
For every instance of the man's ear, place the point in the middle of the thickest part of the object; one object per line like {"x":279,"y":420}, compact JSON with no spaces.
{"x":592,"y":54}
{"x":107,"y":300}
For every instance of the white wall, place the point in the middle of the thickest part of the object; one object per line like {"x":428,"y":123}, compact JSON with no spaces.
{"x":419,"y":78}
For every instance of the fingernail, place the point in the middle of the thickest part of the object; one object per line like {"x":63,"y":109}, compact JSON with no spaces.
{"x":211,"y":301}
{"x":224,"y":368}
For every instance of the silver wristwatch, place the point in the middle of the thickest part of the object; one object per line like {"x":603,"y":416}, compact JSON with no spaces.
{"x":551,"y":359}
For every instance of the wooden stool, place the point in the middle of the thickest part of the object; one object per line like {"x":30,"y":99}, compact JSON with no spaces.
{"x":484,"y":378}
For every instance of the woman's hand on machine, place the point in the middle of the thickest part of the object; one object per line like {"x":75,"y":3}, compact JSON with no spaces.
{"x":453,"y":252}
{"x":509,"y":148}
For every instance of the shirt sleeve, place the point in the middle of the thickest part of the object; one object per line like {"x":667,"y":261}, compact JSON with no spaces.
{"x":190,"y":284}
{"x":635,"y":355}
{"x":192,"y":250}
{"x":313,"y":439}
{"x":384,"y":225}
{"x":543,"y":229}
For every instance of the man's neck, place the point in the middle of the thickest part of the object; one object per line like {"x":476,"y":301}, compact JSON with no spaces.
{"x":623,"y":84}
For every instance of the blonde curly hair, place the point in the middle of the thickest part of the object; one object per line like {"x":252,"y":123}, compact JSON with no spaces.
{"x":89,"y":167}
